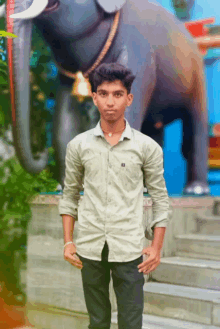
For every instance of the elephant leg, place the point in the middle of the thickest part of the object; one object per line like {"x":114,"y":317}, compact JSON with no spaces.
{"x":193,"y":146}
{"x":195,"y":150}
{"x":71,"y":118}
{"x":157,"y":132}
{"x":188,"y":153}
{"x":153,"y":126}
{"x":188,"y":142}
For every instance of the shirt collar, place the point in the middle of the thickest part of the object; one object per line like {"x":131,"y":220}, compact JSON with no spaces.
{"x":126,"y":133}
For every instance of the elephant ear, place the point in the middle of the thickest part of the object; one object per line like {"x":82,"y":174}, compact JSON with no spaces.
{"x":110,"y":6}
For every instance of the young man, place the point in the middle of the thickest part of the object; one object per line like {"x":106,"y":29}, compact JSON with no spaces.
{"x":112,"y":160}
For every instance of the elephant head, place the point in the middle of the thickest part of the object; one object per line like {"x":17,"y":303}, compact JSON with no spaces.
{"x":20,"y":16}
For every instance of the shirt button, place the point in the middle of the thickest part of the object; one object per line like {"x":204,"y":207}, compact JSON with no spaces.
{"x":109,"y":200}
{"x":110,"y":165}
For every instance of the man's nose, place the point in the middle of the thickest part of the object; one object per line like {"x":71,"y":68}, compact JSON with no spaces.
{"x":110,"y":100}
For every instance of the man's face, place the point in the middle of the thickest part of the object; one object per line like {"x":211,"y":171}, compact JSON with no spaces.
{"x":112,"y":98}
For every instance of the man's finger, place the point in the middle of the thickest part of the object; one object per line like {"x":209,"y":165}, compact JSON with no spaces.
{"x":147,"y":261}
{"x":75,"y":263}
{"x":69,"y":256}
{"x":73,"y":259}
{"x":152,"y":268}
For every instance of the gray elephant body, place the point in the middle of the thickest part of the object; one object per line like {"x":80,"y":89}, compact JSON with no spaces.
{"x":168,"y":67}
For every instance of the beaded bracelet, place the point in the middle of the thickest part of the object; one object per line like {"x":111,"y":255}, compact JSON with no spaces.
{"x":67,"y":244}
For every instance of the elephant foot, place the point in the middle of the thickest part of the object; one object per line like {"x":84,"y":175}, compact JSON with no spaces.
{"x":196,"y":188}
{"x":59,"y":189}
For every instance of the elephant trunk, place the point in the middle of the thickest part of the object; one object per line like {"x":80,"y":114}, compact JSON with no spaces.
{"x":18,"y":62}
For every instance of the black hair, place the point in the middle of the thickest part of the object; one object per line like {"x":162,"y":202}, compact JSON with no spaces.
{"x":111,"y":72}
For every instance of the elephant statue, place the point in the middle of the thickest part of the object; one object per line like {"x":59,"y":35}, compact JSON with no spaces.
{"x":169,"y":73}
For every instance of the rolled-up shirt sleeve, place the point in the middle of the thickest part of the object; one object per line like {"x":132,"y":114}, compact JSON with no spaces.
{"x":154,"y":180}
{"x":74,"y":173}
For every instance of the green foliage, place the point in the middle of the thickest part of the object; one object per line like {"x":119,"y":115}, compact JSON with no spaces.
{"x":7,"y":34}
{"x":5,"y":110}
{"x":17,"y":189}
{"x":42,"y":88}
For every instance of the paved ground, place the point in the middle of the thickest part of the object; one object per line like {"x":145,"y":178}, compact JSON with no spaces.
{"x":45,"y":318}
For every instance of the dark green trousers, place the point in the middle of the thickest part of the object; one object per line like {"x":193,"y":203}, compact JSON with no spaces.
{"x":128,"y":286}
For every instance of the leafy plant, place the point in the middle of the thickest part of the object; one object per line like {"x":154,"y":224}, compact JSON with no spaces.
{"x":17,"y":189}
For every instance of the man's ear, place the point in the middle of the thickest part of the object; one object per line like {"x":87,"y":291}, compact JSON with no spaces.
{"x":130,"y":99}
{"x":94,"y":98}
{"x":110,"y":6}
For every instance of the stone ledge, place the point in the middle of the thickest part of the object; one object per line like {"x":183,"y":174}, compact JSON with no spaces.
{"x":186,"y":202}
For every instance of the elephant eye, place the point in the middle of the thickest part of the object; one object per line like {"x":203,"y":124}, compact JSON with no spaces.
{"x":52,"y":5}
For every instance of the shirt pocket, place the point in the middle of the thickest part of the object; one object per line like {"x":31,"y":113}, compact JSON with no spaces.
{"x":129,"y":174}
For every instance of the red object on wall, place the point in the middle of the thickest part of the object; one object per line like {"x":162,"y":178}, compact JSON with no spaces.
{"x":197,"y":28}
{"x":214,"y":142}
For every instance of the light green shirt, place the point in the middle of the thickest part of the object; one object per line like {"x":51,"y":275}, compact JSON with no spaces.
{"x":112,"y":206}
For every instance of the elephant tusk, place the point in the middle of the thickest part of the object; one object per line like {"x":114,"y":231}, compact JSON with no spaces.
{"x":2,"y":10}
{"x":33,"y":11}
{"x":111,"y":6}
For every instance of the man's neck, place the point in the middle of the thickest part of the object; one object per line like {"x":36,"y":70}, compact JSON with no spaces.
{"x":113,"y":126}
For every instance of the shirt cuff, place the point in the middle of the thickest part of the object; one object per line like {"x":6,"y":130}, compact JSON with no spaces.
{"x":68,"y":208}
{"x":159,"y":222}
{"x":162,"y":223}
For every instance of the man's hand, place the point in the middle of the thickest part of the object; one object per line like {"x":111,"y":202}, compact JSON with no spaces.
{"x":151,"y":262}
{"x":71,"y":257}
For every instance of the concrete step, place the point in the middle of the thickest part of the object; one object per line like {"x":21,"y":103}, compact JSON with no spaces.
{"x":207,"y":224}
{"x":191,"y":272}
{"x":198,"y":246}
{"x":183,"y":303}
{"x":156,"y":322}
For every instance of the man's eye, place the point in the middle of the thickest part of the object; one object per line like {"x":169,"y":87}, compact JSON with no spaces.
{"x":118,"y":95}
{"x":102,"y":94}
